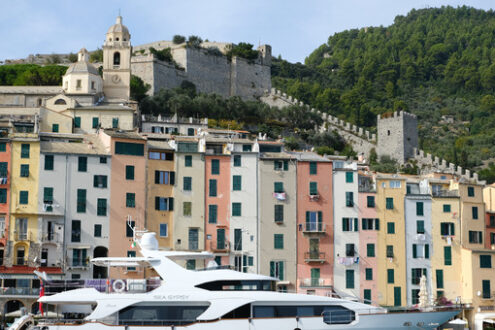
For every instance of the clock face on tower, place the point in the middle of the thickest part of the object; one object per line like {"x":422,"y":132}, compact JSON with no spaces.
{"x":115,"y":79}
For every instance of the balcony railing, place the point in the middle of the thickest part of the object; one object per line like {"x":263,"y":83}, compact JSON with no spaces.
{"x":19,"y":291}
{"x":445,"y":193}
{"x":316,"y":283}
{"x":314,"y":256}
{"x":23,"y":236}
{"x":50,"y":238}
{"x":78,"y":262}
{"x":314,"y":227}
{"x":20,"y":261}
{"x":219,"y":246}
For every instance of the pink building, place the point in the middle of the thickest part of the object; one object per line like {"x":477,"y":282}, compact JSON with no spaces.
{"x":368,"y":239}
{"x":314,"y":224}
{"x":217,"y":207}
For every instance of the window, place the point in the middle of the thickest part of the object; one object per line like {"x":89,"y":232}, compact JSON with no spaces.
{"x":95,"y":122}
{"x":475,"y":237}
{"x":25,"y":150}
{"x":100,"y":181}
{"x":367,"y":296}
{"x":131,"y":254}
{"x":187,"y":183}
{"x":421,"y":251}
{"x":313,"y":188}
{"x":369,"y":274}
{"x":163,"y":230}
{"x":389,"y":203}
{"x":188,"y":161}
{"x":128,"y":229}
{"x":278,"y":241}
{"x":349,"y":177}
{"x":349,"y":224}
{"x":390,"y":228}
{"x":446,"y":208}
{"x":349,"y":199}
{"x":415,"y":296}
{"x":475,"y":212}
{"x":79,"y":258}
{"x":23,"y":197}
{"x":76,"y":231}
{"x":419,"y":208}
{"x":390,"y":276}
{"x":3,"y":146}
{"x":164,"y":203}
{"x":48,"y":198}
{"x":485,"y":261}
{"x":48,"y":162}
{"x":246,"y":147}
{"x":370,"y":201}
{"x":156,"y":155}
{"x":131,"y":149}
{"x":395,"y":184}
{"x":237,"y":160}
{"x":130,"y":200}
{"x":349,"y":278}
{"x":213,"y":188}
{"x":190,"y":131}
{"x":215,"y":166}
{"x":370,"y":224}
{"x":349,"y":250}
{"x":470,"y":191}
{"x":3,"y":196}
{"x":129,"y":172}
{"x":237,"y":239}
{"x":103,"y":160}
{"x":97,"y":231}
{"x":420,"y":227}
{"x":116,"y":58}
{"x":24,"y":170}
{"x":165,"y":177}
{"x":485,"y":284}
{"x":447,"y":256}
{"x":187,"y":147}
{"x":313,"y":168}
{"x":277,"y":269}
{"x":101,"y":207}
{"x":279,"y":213}
{"x":3,"y":170}
{"x":439,"y":276}
{"x":212,"y":213}
{"x":447,"y":229}
{"x":115,"y":122}
{"x":82,"y":164}
{"x":55,"y":128}
{"x":81,"y":200}
{"x":191,"y":264}
{"x":78,"y":86}
{"x":236,"y":209}
{"x":77,"y":122}
{"x":221,"y":244}
{"x":390,"y":251}
{"x":370,"y":250}
{"x":236,"y":183}
{"x":187,"y":209}
{"x":278,"y":187}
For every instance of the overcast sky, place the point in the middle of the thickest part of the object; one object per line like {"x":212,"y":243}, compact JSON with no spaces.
{"x":294,"y":28}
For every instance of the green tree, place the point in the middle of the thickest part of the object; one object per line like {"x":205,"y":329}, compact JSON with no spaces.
{"x":138,"y":88}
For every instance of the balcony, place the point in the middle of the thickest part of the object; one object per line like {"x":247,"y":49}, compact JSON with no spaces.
{"x":20,"y":292}
{"x":79,"y":263}
{"x":23,"y":236}
{"x":309,"y":228}
{"x":50,"y":238}
{"x":445,"y":193}
{"x":315,"y":256}
{"x":220,"y":247}
{"x":316,"y":283}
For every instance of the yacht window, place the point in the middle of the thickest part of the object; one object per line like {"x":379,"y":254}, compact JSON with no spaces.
{"x":331,"y":314}
{"x":160,"y":314}
{"x":238,"y":286}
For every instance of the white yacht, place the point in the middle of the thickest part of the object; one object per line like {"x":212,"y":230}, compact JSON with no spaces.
{"x":221,"y":299}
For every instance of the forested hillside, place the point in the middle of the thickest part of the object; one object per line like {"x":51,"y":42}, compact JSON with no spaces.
{"x":433,"y":62}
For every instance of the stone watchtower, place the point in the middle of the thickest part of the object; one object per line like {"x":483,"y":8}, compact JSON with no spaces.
{"x":397,"y":135}
{"x":117,"y":52}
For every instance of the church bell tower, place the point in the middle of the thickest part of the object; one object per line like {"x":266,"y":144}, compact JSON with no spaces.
{"x":117,"y":52}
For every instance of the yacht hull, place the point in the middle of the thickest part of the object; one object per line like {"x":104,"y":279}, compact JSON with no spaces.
{"x":411,"y":320}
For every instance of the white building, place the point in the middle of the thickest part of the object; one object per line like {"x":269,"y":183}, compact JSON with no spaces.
{"x":74,"y":183}
{"x":419,"y":246}
{"x":346,"y":228}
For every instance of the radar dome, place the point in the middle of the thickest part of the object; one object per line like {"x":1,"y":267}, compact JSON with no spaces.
{"x":148,"y":241}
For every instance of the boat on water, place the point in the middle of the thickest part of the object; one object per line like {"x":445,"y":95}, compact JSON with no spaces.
{"x":221,"y":299}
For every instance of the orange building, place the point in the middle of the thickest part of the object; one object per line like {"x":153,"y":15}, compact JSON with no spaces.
{"x":314,"y":223}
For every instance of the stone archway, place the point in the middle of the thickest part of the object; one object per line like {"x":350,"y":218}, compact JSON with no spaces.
{"x":98,"y":271}
{"x":12,"y":306}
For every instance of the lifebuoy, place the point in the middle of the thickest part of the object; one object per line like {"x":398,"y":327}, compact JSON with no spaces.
{"x":118,"y":286}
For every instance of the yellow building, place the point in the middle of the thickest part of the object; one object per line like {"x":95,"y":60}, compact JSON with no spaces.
{"x":391,"y":249}
{"x":446,"y":264}
{"x":24,"y":198}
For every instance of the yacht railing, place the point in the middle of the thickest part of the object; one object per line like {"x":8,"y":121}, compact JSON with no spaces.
{"x":103,"y":285}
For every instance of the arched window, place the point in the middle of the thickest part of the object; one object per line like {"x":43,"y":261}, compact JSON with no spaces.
{"x":39,"y":102}
{"x":116,"y":39}
{"x":116,"y":58}
{"x":60,"y":102}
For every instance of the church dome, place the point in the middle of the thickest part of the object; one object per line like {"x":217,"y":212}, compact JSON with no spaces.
{"x":82,"y":65}
{"x":119,"y":29}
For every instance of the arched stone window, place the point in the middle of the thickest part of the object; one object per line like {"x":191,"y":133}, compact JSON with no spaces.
{"x":60,"y":102}
{"x":116,"y":39}
{"x":116,"y":58}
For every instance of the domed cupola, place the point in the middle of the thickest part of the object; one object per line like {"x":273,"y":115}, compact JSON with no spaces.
{"x":118,"y":32}
{"x":82,"y":77}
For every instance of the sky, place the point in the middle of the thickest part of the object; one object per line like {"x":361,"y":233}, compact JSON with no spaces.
{"x":294,"y":28}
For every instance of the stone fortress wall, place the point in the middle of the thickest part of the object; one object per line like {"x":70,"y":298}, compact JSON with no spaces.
{"x":402,"y":141}
{"x":210,"y":72}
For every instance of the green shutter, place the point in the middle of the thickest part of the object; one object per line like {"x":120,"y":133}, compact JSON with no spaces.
{"x":427,"y":251}
{"x":24,"y":170}
{"x":187,"y":183}
{"x":390,"y":276}
{"x":313,"y":168}
{"x":237,"y":160}
{"x":129,"y":172}
{"x":82,"y":164}
{"x":414,"y":251}
{"x":390,"y":228}
{"x":236,"y":182}
{"x":279,"y":213}
{"x":446,"y":208}
{"x":349,"y":177}
{"x":439,"y":273}
{"x":95,"y":122}
{"x":49,"y":162}
{"x":447,"y":252}
{"x":397,"y":296}
{"x":221,"y":238}
{"x":367,"y":296}
{"x":369,"y":274}
{"x":3,"y":196}
{"x":419,"y":208}
{"x":212,"y":213}
{"x":25,"y":150}
{"x":471,"y":191}
{"x":349,"y":279}
{"x":77,"y":122}
{"x":420,"y":226}
{"x":370,"y":201}
{"x":130,"y":200}
{"x":215,"y":166}
{"x":81,"y":200}
{"x":345,"y":224}
{"x":278,"y":187}
{"x":356,"y":224}
{"x":238,"y":240}
{"x":102,"y":207}
{"x":475,"y":212}
{"x":286,"y":165}
{"x":272,"y":268}
{"x":188,"y":161}
{"x":485,"y":284}
{"x":213,"y":188}
{"x":115,"y":122}
{"x":236,"y":209}
{"x":313,"y":188}
{"x":278,"y":241}
{"x":3,"y":146}
{"x":349,"y":199}
{"x":47,"y":195}
{"x":55,"y":128}
{"x":23,"y":197}
{"x":390,"y":203}
{"x":370,"y":250}
{"x":485,"y":261}
{"x":3,"y":169}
